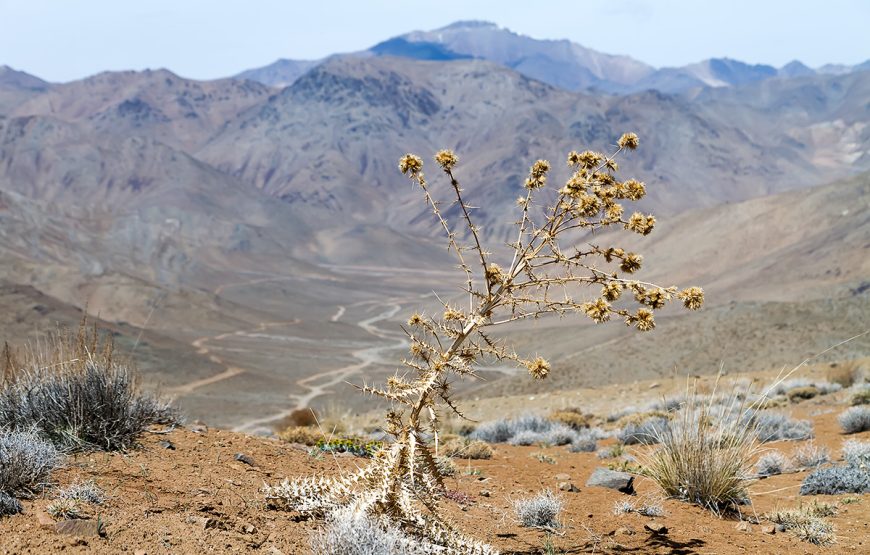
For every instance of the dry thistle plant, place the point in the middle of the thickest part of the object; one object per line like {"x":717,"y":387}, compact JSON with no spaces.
{"x":403,"y":483}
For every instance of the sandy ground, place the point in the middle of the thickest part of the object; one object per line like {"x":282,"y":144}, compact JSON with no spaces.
{"x":197,"y":498}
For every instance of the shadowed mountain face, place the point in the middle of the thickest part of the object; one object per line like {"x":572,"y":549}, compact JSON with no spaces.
{"x":158,"y":104}
{"x":330,"y":141}
{"x":17,"y":87}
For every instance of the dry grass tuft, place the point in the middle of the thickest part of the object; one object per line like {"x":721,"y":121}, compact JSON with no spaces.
{"x":705,"y":458}
{"x":808,"y":522}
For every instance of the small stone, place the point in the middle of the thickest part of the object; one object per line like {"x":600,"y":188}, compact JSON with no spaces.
{"x":198,"y":428}
{"x":274,"y":551}
{"x":623,"y":531}
{"x":606,"y":478}
{"x":743,"y":526}
{"x":656,"y":528}
{"x":485,"y":493}
{"x":242,"y":458}
{"x":166,"y":444}
{"x":140,"y":552}
{"x":562,"y":477}
{"x":83,"y":528}
{"x":780,"y":527}
{"x":249,"y":528}
{"x":771,"y":529}
{"x":44,"y":520}
{"x":568,"y":486}
{"x":654,"y":385}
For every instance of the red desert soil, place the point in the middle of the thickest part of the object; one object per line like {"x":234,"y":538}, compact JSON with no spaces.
{"x":197,"y":498}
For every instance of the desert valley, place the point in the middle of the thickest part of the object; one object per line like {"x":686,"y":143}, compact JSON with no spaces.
{"x":251,"y":245}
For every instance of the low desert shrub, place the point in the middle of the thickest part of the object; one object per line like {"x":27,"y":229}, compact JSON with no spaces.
{"x":583,"y":444}
{"x":540,"y":511}
{"x":533,"y":430}
{"x":772,"y":463}
{"x":649,"y":509}
{"x":774,"y":426}
{"x":810,"y":455}
{"x":84,"y":492}
{"x":64,"y":509}
{"x":9,"y":505}
{"x":861,"y":396}
{"x":807,"y":523}
{"x":78,"y":396}
{"x":301,"y":434}
{"x":26,"y":461}
{"x":347,"y":533}
{"x":612,"y":452}
{"x":855,"y":419}
{"x":354,"y":446}
{"x":836,"y":480}
{"x":856,"y":452}
{"x":645,"y":432}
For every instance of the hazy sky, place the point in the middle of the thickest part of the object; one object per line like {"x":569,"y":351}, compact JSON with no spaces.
{"x":61,"y":40}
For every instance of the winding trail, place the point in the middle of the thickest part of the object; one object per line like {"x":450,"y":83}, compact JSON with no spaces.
{"x":319,"y":384}
{"x":338,"y":314}
{"x":231,"y":371}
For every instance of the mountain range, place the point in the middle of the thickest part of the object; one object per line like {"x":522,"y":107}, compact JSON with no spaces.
{"x":237,"y":223}
{"x":561,"y":63}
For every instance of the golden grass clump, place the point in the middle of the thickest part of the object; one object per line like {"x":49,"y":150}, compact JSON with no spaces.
{"x":554,"y":267}
{"x":464,"y":448}
{"x":305,"y":435}
{"x":573,"y":418}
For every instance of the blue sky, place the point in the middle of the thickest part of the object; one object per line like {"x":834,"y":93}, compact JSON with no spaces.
{"x":61,"y":40}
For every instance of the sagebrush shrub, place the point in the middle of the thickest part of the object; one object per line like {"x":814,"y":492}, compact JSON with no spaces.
{"x":774,"y":426}
{"x":78,"y":396}
{"x":856,"y":452}
{"x":26,"y":462}
{"x":645,"y":432}
{"x":9,"y":505}
{"x":772,"y":463}
{"x":810,"y":455}
{"x":835,"y":480}
{"x":85,"y":492}
{"x":349,"y":533}
{"x":540,"y":511}
{"x":552,"y":270}
{"x":855,"y":419}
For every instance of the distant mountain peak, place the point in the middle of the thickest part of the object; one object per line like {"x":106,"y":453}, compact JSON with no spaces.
{"x":469,"y":24}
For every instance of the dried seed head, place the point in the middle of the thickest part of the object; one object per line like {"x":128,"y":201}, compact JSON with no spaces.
{"x":692,"y":298}
{"x":633,"y":189}
{"x":611,"y":291}
{"x":415,"y":320}
{"x":538,"y":368}
{"x":598,"y":310}
{"x":453,"y":314}
{"x":640,"y":223}
{"x":446,"y":159}
{"x":628,"y":140}
{"x":631,"y":262}
{"x":410,"y":165}
{"x":494,"y":274}
{"x":644,"y":320}
{"x":538,"y":175}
